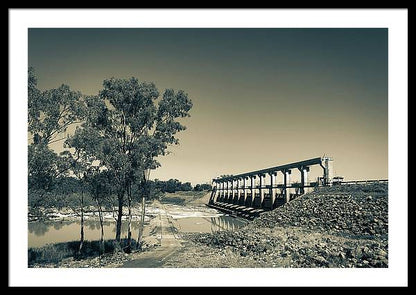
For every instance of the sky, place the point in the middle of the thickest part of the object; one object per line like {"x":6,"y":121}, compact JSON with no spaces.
{"x":261,"y":97}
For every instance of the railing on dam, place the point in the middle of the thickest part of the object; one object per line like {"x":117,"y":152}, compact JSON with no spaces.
{"x":238,"y":192}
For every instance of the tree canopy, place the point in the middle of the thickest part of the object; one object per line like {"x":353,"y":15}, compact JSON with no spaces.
{"x":120,"y":131}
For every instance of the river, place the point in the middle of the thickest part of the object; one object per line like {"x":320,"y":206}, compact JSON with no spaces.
{"x":186,"y":219}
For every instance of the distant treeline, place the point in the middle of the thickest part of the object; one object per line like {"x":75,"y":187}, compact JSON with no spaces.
{"x":66,"y":191}
{"x":173,"y":185}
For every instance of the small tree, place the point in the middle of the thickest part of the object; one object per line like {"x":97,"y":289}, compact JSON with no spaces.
{"x":79,"y":169}
{"x":99,"y":186}
{"x":172,"y":185}
{"x":145,"y":193}
{"x":186,"y":186}
{"x":81,"y":152}
{"x":206,"y":187}
{"x":43,"y":169}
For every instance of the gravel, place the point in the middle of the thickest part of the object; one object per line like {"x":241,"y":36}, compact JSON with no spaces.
{"x":350,"y":209}
{"x":339,"y":226}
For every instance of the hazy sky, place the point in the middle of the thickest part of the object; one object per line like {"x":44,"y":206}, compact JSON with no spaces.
{"x":262,"y":97}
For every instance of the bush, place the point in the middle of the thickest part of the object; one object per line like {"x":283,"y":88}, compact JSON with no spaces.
{"x":54,"y":253}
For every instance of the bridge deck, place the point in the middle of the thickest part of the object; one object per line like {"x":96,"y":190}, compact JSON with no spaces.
{"x":310,"y":162}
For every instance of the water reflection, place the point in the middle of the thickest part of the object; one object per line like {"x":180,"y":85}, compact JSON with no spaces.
{"x":38,"y":228}
{"x":42,"y":233}
{"x":58,"y":225}
{"x":92,"y":225}
{"x":95,"y":224}
{"x":226,"y":223}
{"x":209,"y":224}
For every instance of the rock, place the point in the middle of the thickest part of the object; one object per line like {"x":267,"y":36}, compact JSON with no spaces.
{"x":342,"y":211}
{"x":382,"y":253}
{"x":321,"y":260}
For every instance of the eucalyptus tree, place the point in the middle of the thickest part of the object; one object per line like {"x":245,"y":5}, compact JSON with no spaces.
{"x":78,"y":167}
{"x":50,"y":113}
{"x":100,"y":188}
{"x":135,"y":126}
{"x":82,"y":154}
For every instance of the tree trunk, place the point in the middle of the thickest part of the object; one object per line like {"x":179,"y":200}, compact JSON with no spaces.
{"x":81,"y":243}
{"x":120,"y":214}
{"x":100,"y":216}
{"x":128,"y":250}
{"x":141,"y":227}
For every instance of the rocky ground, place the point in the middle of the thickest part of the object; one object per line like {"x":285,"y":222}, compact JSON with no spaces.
{"x":340,"y":226}
{"x":349,"y":209}
{"x":335,"y":227}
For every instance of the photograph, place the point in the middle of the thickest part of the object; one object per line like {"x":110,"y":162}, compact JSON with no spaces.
{"x":257,"y":148}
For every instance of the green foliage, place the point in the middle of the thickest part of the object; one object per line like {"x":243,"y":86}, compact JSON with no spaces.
{"x":42,"y":167}
{"x":206,"y":186}
{"x":135,"y":130}
{"x":34,"y":101}
{"x":174,"y":185}
{"x":65,"y":192}
{"x":202,"y":187}
{"x":50,"y":112}
{"x":126,"y":130}
{"x":100,"y":186}
{"x":121,"y":132}
{"x":186,"y":186}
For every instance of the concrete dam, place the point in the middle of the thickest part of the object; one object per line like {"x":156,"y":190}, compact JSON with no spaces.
{"x":240,"y":195}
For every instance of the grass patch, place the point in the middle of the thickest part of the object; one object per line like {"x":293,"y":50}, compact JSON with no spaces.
{"x":182,"y":197}
{"x":54,"y":253}
{"x":173,"y":200}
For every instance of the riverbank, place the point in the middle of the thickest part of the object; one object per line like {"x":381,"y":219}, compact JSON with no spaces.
{"x":64,"y":254}
{"x":188,"y":199}
{"x":162,"y":237}
{"x":334,"y":227}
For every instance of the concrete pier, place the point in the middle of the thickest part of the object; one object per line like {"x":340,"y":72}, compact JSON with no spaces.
{"x":272,"y":190}
{"x":253,"y":189}
{"x":304,"y":181}
{"x":286,"y":184}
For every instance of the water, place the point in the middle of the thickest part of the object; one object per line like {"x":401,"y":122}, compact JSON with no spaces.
{"x":209,"y":224}
{"x":42,"y":233}
{"x":185,"y":219}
